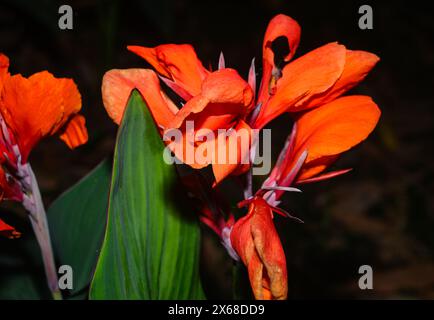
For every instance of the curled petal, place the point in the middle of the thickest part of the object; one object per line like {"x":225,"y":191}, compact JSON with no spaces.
{"x":280,"y":26}
{"x":224,"y":100}
{"x":179,"y":63}
{"x":116,"y":88}
{"x":224,"y":96}
{"x":304,"y":78}
{"x":75,"y":132}
{"x":37,"y":106}
{"x":257,"y":243}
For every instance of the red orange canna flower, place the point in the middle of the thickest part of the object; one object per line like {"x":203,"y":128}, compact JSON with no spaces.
{"x":30,"y":109}
{"x":314,"y":79}
{"x":213,"y":100}
{"x":309,"y":88}
{"x":318,"y":138}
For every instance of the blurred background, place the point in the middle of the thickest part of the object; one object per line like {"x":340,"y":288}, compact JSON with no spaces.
{"x":380,"y":214}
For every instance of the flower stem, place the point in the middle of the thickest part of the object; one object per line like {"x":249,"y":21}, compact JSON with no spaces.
{"x":38,"y":218}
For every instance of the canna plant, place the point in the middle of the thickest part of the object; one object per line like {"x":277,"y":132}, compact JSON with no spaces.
{"x":31,"y":109}
{"x":141,"y":237}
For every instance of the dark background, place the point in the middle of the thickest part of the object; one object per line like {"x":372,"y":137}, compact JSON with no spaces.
{"x":381,"y":214}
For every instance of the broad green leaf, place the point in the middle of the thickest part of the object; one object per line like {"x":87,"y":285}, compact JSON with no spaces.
{"x":151,"y":245}
{"x":77,"y":223}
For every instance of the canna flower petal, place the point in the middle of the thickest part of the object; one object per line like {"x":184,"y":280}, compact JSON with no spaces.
{"x":304,"y":78}
{"x":357,"y":66}
{"x":257,"y":243}
{"x":117,"y":86}
{"x":280,"y":26}
{"x":224,"y":100}
{"x":4,"y":65}
{"x":238,"y":146}
{"x":75,"y":132}
{"x":324,"y":176}
{"x":37,"y":106}
{"x":177,"y":63}
{"x":8,"y":231}
{"x":330,"y":130}
{"x":224,"y":97}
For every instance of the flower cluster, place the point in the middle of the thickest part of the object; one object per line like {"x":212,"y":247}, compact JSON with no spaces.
{"x":30,"y":109}
{"x":309,"y":88}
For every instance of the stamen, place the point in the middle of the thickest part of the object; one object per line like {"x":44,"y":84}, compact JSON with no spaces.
{"x":252,"y":77}
{"x":270,"y":197}
{"x":248,"y":192}
{"x":324,"y":176}
{"x":226,"y":241}
{"x":221,"y":61}
{"x":254,"y":114}
{"x":295,"y":169}
{"x":283,"y":156}
{"x":281,"y":188}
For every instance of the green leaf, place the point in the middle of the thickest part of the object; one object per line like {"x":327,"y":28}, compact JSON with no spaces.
{"x":151,"y":246}
{"x":22,"y":275}
{"x":77,"y":221}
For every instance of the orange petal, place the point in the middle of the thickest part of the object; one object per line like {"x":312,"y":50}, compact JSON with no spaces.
{"x":332,"y":129}
{"x":117,"y":86}
{"x":224,"y":99}
{"x":4,"y":65}
{"x":256,"y":241}
{"x":8,"y":231}
{"x":185,"y":148}
{"x":237,"y":148}
{"x":325,"y":176}
{"x":315,"y":167}
{"x":280,"y":26}
{"x":75,"y":132}
{"x":37,"y":106}
{"x":310,"y":75}
{"x":178,"y":63}
{"x":357,"y":66}
{"x":224,"y":96}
